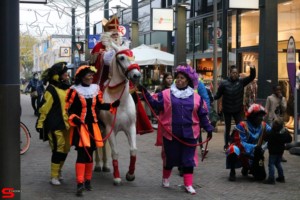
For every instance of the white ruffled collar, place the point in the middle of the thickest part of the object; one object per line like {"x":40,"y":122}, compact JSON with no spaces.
{"x":182,"y":94}
{"x":87,"y":92}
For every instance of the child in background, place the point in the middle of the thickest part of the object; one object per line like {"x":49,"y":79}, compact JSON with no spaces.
{"x":276,"y":139}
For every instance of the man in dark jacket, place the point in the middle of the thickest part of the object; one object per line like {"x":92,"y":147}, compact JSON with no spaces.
{"x":232,"y":90}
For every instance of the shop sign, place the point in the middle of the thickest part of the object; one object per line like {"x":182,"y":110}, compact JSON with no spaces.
{"x":244,"y":4}
{"x":65,"y":51}
{"x":93,"y":40}
{"x":162,"y":19}
{"x":219,"y":33}
{"x":124,"y":31}
{"x":291,"y":61}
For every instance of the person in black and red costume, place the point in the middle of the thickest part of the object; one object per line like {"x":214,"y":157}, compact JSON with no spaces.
{"x":83,"y":102}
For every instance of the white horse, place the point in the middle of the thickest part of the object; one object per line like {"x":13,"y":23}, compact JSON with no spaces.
{"x":122,"y":69}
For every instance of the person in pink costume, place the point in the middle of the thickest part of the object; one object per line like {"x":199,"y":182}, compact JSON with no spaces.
{"x":182,"y":113}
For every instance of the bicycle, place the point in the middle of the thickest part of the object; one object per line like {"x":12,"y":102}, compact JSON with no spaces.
{"x":24,"y":138}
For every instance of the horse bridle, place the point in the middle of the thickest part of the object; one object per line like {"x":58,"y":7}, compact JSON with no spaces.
{"x":131,"y":67}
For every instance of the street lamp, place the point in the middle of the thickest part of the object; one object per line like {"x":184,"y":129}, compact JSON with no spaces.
{"x":119,"y":9}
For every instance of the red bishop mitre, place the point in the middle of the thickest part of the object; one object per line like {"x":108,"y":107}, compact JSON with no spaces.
{"x":111,"y":25}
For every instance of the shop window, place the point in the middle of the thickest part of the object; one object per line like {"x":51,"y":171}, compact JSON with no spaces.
{"x":249,"y":59}
{"x":189,"y":38}
{"x":156,"y":4}
{"x":209,"y":34}
{"x":232,"y":31}
{"x":147,"y":39}
{"x":282,"y":66}
{"x":151,"y":75}
{"x":198,"y":35}
{"x":205,"y":67}
{"x":204,"y":6}
{"x":288,"y":25}
{"x":249,"y":35}
{"x":127,"y":16}
{"x":144,"y":11}
{"x":288,"y":20}
{"x":159,"y":37}
{"x":144,"y":24}
{"x":142,"y":39}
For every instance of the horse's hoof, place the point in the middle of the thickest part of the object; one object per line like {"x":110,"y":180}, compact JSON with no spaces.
{"x":130,"y":177}
{"x":105,"y":169}
{"x":117,"y":181}
{"x":97,"y":169}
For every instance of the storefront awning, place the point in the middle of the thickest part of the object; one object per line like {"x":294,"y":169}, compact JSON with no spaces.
{"x":145,"y":55}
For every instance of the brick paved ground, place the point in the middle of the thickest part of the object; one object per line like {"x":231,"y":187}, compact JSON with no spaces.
{"x":210,"y":179}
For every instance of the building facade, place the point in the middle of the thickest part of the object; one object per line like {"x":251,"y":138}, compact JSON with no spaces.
{"x":245,"y":37}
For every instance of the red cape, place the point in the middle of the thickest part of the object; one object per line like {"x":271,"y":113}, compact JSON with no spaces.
{"x":143,"y":124}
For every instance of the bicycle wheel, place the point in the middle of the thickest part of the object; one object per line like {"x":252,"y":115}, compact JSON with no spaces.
{"x":24,"y":138}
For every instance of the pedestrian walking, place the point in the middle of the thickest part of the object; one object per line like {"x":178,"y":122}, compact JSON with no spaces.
{"x":84,"y":100}
{"x":232,"y":92}
{"x":202,"y":91}
{"x":182,"y":112}
{"x":277,"y":139}
{"x":247,"y":136}
{"x":32,"y":89}
{"x":52,"y":123}
{"x":40,"y":91}
{"x":276,"y":105}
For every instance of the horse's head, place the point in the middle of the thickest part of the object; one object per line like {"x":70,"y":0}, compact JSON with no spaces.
{"x":124,"y":60}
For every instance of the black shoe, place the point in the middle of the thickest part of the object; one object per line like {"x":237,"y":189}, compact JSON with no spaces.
{"x":269,"y":181}
{"x":80,"y":189}
{"x":283,"y":159}
{"x":280,"y":179}
{"x":245,"y":171}
{"x":232,"y":176}
{"x":88,"y":186}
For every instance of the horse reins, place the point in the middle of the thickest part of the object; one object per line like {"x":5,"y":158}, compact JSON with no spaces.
{"x":170,"y":133}
{"x":108,"y":135}
{"x":131,"y":67}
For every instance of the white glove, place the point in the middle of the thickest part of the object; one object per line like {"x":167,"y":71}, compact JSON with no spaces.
{"x":108,"y":56}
